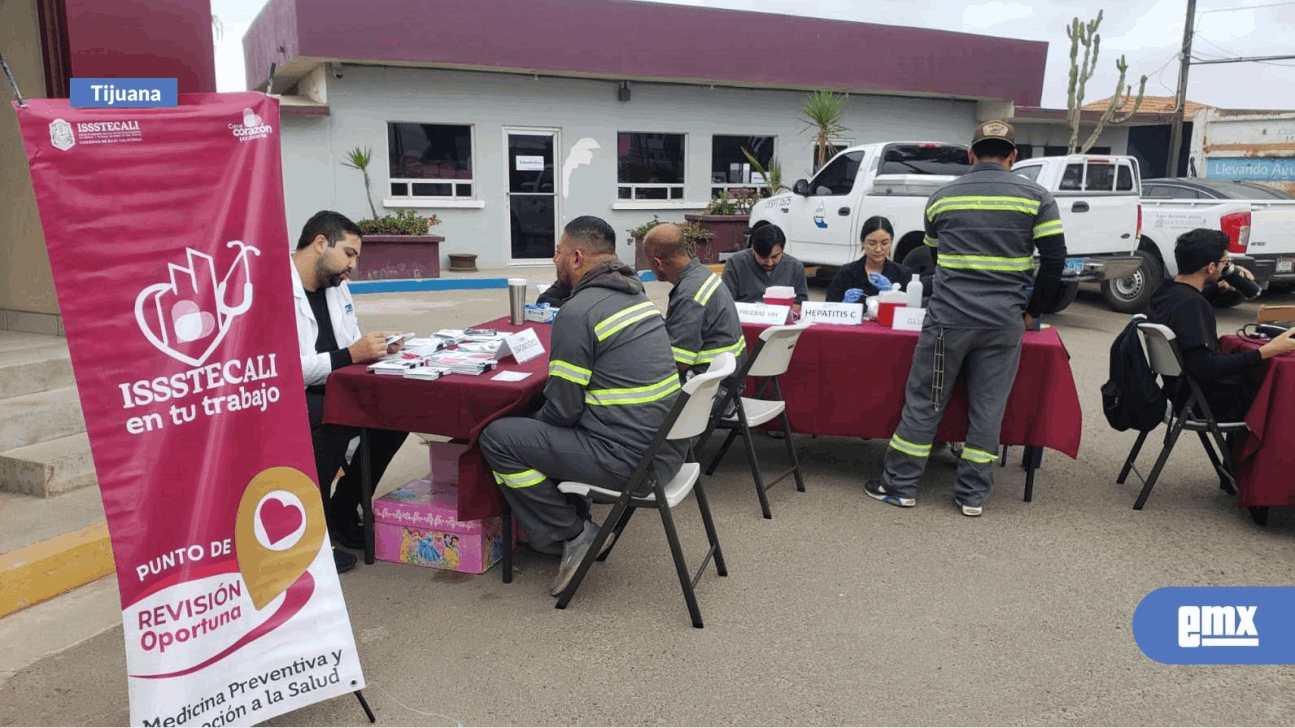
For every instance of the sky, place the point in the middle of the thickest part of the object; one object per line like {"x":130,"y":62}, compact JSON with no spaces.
{"x":1148,"y":33}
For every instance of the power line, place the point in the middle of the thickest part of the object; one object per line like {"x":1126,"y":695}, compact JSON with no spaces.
{"x":1233,"y":53}
{"x":1245,"y":7}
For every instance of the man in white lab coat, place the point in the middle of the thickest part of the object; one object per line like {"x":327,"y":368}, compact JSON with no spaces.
{"x":328,"y":335}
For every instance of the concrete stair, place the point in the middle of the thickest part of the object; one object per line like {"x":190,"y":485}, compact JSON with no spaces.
{"x":43,"y":447}
{"x":49,"y":468}
{"x":40,"y":417}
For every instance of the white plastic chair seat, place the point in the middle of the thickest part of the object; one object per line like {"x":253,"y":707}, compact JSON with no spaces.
{"x":675,"y":491}
{"x":758,"y":411}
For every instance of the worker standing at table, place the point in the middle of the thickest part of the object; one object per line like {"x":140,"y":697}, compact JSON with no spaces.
{"x":748,"y":273}
{"x":612,"y":382}
{"x":328,"y":334}
{"x":701,"y":318}
{"x":982,"y":230}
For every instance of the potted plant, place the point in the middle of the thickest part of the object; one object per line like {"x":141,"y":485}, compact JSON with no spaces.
{"x":726,"y":218}
{"x":395,"y":246}
{"x":696,"y":240}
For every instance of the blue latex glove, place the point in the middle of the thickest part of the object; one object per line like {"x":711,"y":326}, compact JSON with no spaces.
{"x":881,"y":282}
{"x":853,"y":295}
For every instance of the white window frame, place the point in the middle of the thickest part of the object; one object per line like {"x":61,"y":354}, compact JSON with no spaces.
{"x":392,"y":200}
{"x":669,"y":201}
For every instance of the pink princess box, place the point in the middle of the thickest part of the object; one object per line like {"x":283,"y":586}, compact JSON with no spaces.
{"x":417,"y":524}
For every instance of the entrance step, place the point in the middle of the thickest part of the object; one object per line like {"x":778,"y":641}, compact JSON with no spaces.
{"x":39,"y":417}
{"x":37,"y":367}
{"x":48,"y":468}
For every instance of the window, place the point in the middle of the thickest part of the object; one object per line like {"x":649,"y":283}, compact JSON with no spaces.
{"x":837,"y":178}
{"x":1170,"y":192}
{"x":1055,"y":151}
{"x":649,"y":166}
{"x":1030,"y":172}
{"x":1072,"y":177}
{"x":729,"y":167}
{"x":942,"y":159}
{"x":1124,"y":178}
{"x":1100,"y":178}
{"x":836,"y":147}
{"x":430,"y":160}
{"x":1024,"y":152}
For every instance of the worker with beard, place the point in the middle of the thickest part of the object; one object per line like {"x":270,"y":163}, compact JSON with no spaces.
{"x":612,"y":382}
{"x":328,"y":335}
{"x":748,"y":273}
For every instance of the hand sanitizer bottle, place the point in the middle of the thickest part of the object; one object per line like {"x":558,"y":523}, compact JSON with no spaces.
{"x":915,"y":292}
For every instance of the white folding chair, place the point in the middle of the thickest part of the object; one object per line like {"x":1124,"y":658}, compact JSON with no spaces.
{"x":768,"y":360}
{"x":687,"y":419}
{"x":1161,"y":347}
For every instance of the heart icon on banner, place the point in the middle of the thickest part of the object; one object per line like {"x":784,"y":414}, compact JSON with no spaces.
{"x":279,"y":519}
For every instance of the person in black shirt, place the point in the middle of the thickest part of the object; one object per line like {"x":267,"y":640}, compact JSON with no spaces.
{"x":1182,"y":305}
{"x":851,"y":283}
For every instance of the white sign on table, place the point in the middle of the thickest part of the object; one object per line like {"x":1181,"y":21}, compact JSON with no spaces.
{"x":522,"y":346}
{"x":832,"y":313}
{"x":909,"y":319}
{"x":762,"y":313}
{"x":527,"y":163}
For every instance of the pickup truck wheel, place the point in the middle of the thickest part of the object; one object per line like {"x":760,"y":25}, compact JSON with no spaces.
{"x":1066,"y":297}
{"x":1130,"y":294}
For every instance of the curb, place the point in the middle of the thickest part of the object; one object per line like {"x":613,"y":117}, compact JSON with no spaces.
{"x":47,"y":569}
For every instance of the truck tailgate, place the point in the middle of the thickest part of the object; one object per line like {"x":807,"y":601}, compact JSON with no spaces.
{"x":1272,"y":229}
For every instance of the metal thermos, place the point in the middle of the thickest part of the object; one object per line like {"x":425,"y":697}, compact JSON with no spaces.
{"x":517,"y":300}
{"x":1245,"y":286}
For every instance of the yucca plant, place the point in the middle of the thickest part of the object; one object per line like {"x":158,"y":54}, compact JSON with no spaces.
{"x":359,"y":159}
{"x":823,"y":111}
{"x":772,"y":176}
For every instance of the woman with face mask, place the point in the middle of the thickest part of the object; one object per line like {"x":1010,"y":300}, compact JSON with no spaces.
{"x":875,"y":271}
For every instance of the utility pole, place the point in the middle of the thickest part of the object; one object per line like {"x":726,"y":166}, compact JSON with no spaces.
{"x":1176,"y":130}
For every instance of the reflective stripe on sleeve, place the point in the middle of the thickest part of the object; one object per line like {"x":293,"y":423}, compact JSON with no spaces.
{"x":986,"y":262}
{"x":1044,"y":229}
{"x":524,"y":479}
{"x":570,"y":372}
{"x":983,"y":202}
{"x":623,"y":318}
{"x":707,"y":288}
{"x":910,"y":448}
{"x":633,"y":395}
{"x":930,"y":241}
{"x":707,"y":356}
{"x":683,"y":356}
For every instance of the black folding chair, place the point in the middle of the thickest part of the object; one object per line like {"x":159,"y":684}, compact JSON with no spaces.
{"x":687,"y":419}
{"x":1161,"y":348}
{"x":768,"y":360}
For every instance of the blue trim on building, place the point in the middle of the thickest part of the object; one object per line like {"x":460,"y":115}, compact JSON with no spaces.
{"x":405,"y":285}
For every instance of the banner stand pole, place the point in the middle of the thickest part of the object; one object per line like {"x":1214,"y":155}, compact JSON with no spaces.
{"x":359,"y":694}
{"x":12,"y":83}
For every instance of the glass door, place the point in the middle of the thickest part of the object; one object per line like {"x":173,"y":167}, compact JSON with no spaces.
{"x":532,"y":194}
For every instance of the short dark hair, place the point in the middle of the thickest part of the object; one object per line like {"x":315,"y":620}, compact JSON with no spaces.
{"x":1197,"y":248}
{"x":767,"y":237}
{"x":993,"y":149}
{"x":594,"y":232}
{"x":332,"y":225}
{"x":875,"y":223}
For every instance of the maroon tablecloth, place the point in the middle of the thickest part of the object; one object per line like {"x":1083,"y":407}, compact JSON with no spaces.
{"x":456,"y":405}
{"x":849,"y":381}
{"x":1266,"y":466}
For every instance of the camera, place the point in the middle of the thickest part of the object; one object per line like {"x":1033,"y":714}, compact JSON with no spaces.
{"x":1242,"y":283}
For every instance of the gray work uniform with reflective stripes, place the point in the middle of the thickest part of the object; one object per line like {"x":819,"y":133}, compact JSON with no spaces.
{"x":984,"y":227}
{"x":612,"y":381}
{"x":702,"y":321}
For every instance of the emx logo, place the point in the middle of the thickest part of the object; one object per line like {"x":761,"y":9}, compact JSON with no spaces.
{"x":1217,"y":625}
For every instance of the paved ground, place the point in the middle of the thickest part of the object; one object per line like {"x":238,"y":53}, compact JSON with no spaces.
{"x":840,"y":610}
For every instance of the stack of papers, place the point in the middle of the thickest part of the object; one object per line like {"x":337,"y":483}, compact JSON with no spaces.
{"x":394,"y":366}
{"x":424,"y":346}
{"x":426,"y":373}
{"x":464,"y":362}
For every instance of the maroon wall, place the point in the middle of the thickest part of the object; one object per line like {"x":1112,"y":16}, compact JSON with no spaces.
{"x":143,"y":39}
{"x":640,"y":40}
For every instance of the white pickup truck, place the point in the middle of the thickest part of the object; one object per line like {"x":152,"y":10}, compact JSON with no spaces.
{"x":822,"y":217}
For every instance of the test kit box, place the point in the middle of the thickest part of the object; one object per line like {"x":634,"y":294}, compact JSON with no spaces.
{"x":418,"y":524}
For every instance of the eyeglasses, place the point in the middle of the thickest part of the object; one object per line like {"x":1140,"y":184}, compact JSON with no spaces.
{"x":876,"y":244}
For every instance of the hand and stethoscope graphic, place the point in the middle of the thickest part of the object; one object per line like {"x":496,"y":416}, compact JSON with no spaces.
{"x":172,"y":315}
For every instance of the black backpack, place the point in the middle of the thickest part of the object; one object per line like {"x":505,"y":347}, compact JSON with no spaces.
{"x":1132,"y":398}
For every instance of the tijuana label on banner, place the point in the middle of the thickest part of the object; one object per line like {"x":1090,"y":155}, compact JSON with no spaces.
{"x":832,"y":313}
{"x":762,"y":313}
{"x":523,"y":346}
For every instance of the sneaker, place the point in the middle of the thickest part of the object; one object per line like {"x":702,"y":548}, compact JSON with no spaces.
{"x":343,"y":561}
{"x":970,"y":511}
{"x":349,"y":536}
{"x":573,"y":552}
{"x":556,"y":548}
{"x":875,"y":489}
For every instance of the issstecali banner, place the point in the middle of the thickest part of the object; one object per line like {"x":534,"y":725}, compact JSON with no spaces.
{"x":169,"y":249}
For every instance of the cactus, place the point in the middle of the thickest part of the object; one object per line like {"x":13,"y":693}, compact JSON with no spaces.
{"x":1086,"y":34}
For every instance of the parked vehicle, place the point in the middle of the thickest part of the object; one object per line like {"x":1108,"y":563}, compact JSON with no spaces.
{"x":822,"y":217}
{"x":1253,"y":217}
